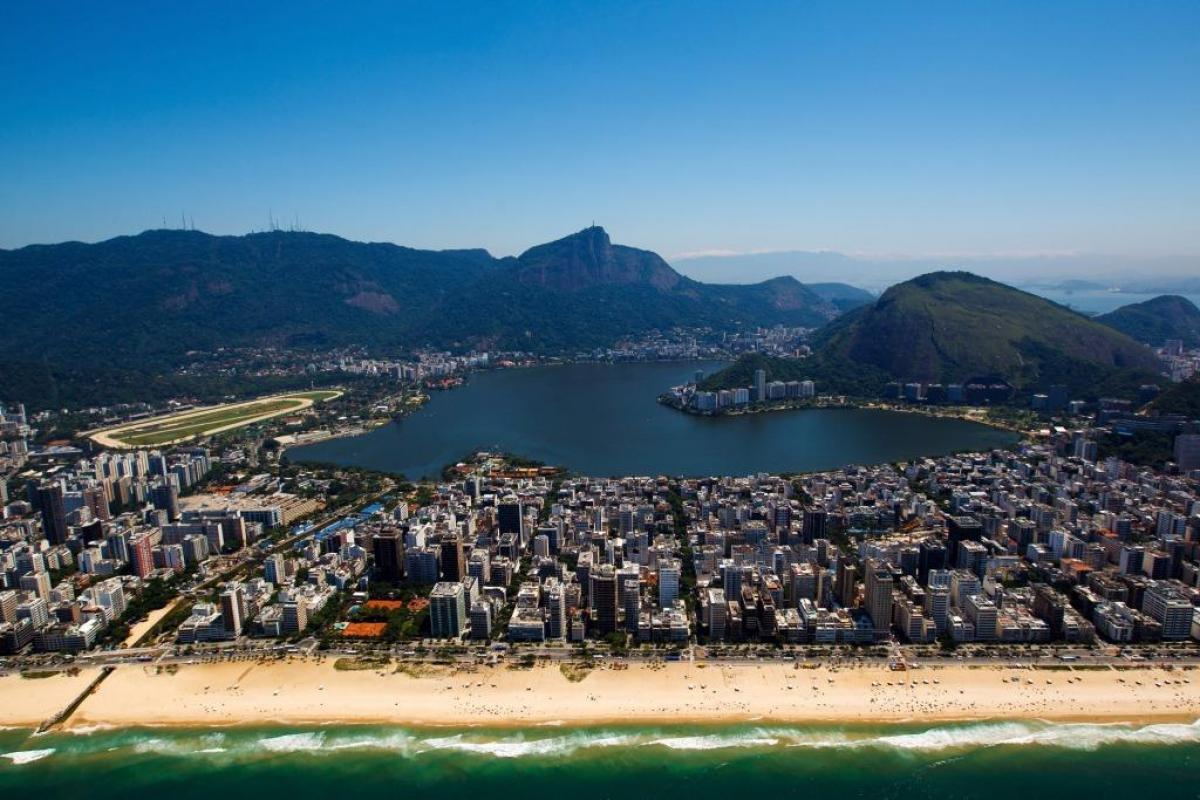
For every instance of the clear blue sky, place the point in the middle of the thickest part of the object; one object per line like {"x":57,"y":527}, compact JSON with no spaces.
{"x":890,"y":127}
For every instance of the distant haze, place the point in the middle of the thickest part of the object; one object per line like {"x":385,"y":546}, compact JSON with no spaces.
{"x":1161,"y":274}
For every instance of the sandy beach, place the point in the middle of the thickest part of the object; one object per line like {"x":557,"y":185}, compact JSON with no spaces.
{"x":310,"y":691}
{"x":27,"y":702}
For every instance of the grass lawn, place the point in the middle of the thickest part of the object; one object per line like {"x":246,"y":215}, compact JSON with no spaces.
{"x":192,"y":423}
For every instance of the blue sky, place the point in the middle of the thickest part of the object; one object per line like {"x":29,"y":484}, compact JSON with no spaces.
{"x":875,"y":128}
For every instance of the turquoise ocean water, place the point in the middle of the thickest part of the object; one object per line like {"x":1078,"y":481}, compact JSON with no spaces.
{"x":970,"y":760}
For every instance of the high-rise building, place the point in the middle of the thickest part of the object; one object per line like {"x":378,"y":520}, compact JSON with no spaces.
{"x":632,"y":596}
{"x":669,"y":572}
{"x":604,"y":599}
{"x":141,"y":553}
{"x":961,"y":529}
{"x":963,"y":584}
{"x":421,"y":565}
{"x":814,"y":525}
{"x":165,"y":496}
{"x":937,"y":606}
{"x":36,"y":584}
{"x":233,"y":609}
{"x":1187,"y":451}
{"x":879,"y":596}
{"x":983,"y":614}
{"x":931,"y":556}
{"x":510,"y":517}
{"x":51,"y":501}
{"x":481,"y":620}
{"x":1171,"y":608}
{"x":294,"y":616}
{"x":716,"y":611}
{"x":453,"y":561}
{"x":274,"y":568}
{"x":447,"y":610}
{"x":760,"y":385}
{"x":846,"y":583}
{"x":556,"y":610}
{"x":96,"y":499}
{"x":9,"y":600}
{"x":387,"y":548}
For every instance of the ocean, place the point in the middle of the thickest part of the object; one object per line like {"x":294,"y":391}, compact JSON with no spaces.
{"x":968,"y":760}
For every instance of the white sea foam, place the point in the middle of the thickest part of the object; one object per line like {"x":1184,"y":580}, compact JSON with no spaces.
{"x":165,"y":745}
{"x":950,"y":737}
{"x":398,"y":741}
{"x":1073,"y":736}
{"x":713,"y":742}
{"x":84,"y":730}
{"x":293,"y":742}
{"x":27,"y":756}
{"x":518,"y":746}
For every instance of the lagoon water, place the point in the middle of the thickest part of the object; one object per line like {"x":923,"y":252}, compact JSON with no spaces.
{"x":603,"y":419}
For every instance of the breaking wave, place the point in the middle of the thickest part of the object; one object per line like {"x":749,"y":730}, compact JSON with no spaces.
{"x":958,"y":737}
{"x":27,"y":756}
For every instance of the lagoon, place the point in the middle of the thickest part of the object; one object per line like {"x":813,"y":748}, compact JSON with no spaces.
{"x":603,"y":419}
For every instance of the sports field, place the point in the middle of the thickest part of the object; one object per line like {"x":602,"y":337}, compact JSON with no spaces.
{"x":173,"y":428}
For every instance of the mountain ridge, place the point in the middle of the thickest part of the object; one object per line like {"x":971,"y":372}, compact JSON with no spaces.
{"x":137,"y":304}
{"x":1153,"y":321}
{"x":958,"y":327}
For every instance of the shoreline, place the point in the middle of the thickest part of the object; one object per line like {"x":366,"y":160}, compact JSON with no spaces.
{"x":315,"y":692}
{"x":849,"y":405}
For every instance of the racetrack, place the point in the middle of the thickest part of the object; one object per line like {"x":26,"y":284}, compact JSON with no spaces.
{"x":175,"y":428}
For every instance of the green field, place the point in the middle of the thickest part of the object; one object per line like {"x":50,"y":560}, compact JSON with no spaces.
{"x":184,"y":425}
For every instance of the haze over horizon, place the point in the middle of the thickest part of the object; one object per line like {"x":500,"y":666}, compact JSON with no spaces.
{"x":1006,"y":137}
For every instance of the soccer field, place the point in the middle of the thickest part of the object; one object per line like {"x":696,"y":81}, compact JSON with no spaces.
{"x":179,"y":427}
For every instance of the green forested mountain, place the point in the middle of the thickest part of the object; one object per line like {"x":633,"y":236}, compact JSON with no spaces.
{"x":93,"y":316}
{"x":842,"y":295}
{"x":955,"y":327}
{"x":1168,"y":316}
{"x":1179,"y":398}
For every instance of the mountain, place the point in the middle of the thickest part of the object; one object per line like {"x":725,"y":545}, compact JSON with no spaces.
{"x":1158,"y":319}
{"x":956,"y":327}
{"x":1059,"y":271}
{"x":842,"y":295}
{"x":588,"y":259}
{"x":105,"y":322}
{"x":582,"y":291}
{"x":1179,"y":398}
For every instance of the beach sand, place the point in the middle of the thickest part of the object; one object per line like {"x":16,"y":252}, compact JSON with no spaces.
{"x":27,"y":702}
{"x":312,"y":691}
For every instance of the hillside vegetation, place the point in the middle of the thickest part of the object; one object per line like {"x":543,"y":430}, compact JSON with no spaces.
{"x":99,"y":322}
{"x":955,"y":327}
{"x":1179,"y":398}
{"x":1158,"y":319}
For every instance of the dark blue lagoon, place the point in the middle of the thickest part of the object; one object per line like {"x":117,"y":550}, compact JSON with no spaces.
{"x":601,"y":419}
